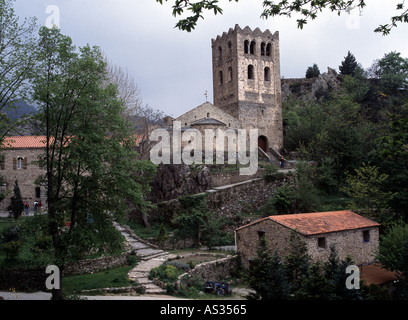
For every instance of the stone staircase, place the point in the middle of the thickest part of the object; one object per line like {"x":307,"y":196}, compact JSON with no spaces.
{"x":151,"y":257}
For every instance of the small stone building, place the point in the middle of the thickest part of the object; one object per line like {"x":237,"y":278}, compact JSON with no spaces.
{"x":22,"y":161}
{"x":354,"y":235}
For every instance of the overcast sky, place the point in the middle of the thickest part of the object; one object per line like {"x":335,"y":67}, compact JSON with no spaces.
{"x":173,"y":68}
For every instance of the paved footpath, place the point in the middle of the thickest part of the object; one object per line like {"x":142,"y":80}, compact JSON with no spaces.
{"x":151,"y":257}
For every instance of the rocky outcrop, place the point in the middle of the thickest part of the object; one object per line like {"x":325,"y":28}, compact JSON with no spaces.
{"x":311,"y":89}
{"x":172,"y":181}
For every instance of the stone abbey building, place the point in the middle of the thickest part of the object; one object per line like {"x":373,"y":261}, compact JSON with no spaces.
{"x":247,"y":87}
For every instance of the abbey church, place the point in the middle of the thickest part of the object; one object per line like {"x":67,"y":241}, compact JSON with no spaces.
{"x":247,"y":88}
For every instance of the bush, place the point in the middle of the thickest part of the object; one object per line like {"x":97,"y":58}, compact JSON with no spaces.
{"x":166,"y":273}
{"x":11,"y":249}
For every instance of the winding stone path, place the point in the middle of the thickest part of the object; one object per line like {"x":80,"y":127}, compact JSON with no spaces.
{"x":151,"y":257}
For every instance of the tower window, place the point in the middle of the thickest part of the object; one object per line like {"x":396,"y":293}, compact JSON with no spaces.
{"x":229,"y":74}
{"x":220,"y":77}
{"x":263,"y":45}
{"x":246,"y":46}
{"x":220,"y":53}
{"x":268,"y":50}
{"x":251,"y":74}
{"x":252,"y":47}
{"x":267,"y":74}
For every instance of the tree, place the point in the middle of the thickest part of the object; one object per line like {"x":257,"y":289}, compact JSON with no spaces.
{"x":297,"y":261}
{"x":392,"y":71}
{"x":312,"y":72}
{"x":392,"y":151}
{"x":391,"y":251}
{"x":306,"y":8}
{"x":367,"y":196}
{"x":16,"y":61}
{"x":393,"y":255}
{"x":336,"y":275}
{"x":195,"y":221}
{"x":348,"y":65}
{"x":91,"y":168}
{"x":17,"y":205}
{"x":267,"y":275}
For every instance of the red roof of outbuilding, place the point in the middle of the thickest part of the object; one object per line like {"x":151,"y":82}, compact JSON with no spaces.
{"x":321,"y":222}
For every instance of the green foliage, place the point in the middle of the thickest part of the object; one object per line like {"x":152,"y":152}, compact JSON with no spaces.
{"x":17,"y":56}
{"x":271,"y":173}
{"x":392,"y":70}
{"x":162,"y":236}
{"x":297,"y":277}
{"x":348,"y":65}
{"x":366,"y":194}
{"x":280,"y":203}
{"x":267,"y":276}
{"x":308,"y":11}
{"x":112,"y":278}
{"x":16,"y":206}
{"x":11,"y":249}
{"x":312,"y":72}
{"x":92,"y":169}
{"x":166,"y":273}
{"x":196,"y":221}
{"x":376,"y":292}
{"x":391,"y":250}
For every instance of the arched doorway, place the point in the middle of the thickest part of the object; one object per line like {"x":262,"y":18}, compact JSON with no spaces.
{"x":263,"y":143}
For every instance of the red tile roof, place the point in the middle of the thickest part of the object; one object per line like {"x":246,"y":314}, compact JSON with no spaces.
{"x":321,"y":222}
{"x":374,"y":273}
{"x":37,"y":142}
{"x":24,"y":142}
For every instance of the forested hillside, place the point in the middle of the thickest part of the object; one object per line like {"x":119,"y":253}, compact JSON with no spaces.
{"x":357,"y":134}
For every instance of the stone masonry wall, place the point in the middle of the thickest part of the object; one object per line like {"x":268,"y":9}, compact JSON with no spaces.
{"x":228,"y":200}
{"x":25,"y":176}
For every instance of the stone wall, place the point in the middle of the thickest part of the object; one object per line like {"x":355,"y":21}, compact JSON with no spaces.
{"x":228,"y":200}
{"x":96,"y":265}
{"x":217,"y":270}
{"x":26,"y":176}
{"x":227,"y":178}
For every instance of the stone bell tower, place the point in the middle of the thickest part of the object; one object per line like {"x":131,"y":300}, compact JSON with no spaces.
{"x":247,"y":83}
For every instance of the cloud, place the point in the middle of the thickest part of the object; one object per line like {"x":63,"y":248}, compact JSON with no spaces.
{"x":174,"y":68}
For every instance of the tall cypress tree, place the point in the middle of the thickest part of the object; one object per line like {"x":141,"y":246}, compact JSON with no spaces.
{"x":348,"y":65}
{"x":17,"y":206}
{"x":267,"y":276}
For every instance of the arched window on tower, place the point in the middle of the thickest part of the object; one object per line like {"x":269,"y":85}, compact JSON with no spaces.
{"x":263,"y":46}
{"x":229,"y":74}
{"x":251,"y":73}
{"x":220,"y":54}
{"x":246,"y":46}
{"x":267,"y":74}
{"x":220,"y":78}
{"x":268,"y":50}
{"x":252,"y":47}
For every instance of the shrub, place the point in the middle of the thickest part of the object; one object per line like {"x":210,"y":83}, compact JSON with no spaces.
{"x":11,"y":249}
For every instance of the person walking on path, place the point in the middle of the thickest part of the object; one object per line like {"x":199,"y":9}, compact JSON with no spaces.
{"x":27,"y":208}
{"x":282,"y":162}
